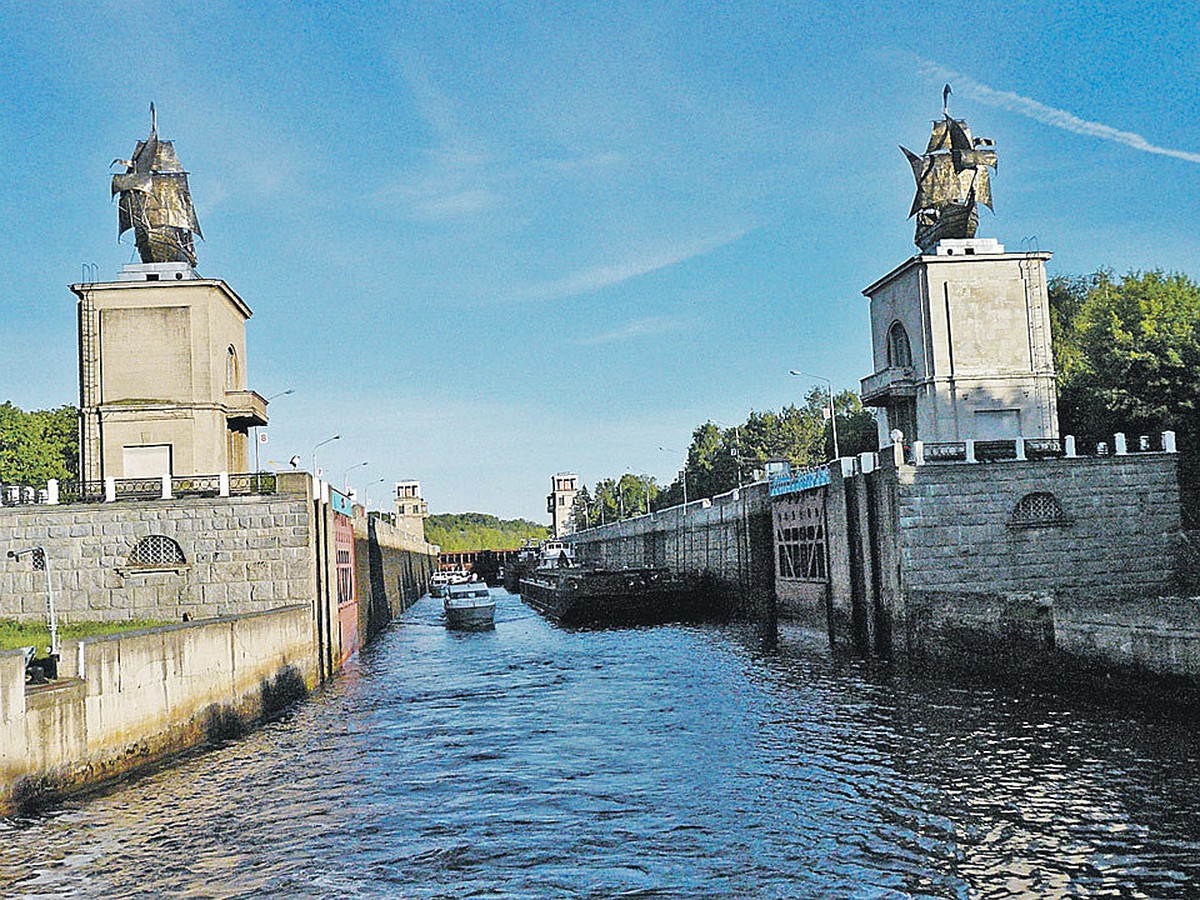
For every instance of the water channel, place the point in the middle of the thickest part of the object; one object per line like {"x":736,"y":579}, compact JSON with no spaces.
{"x":681,"y":761}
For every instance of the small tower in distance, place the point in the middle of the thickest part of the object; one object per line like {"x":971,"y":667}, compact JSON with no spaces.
{"x":560,"y":502}
{"x":411,"y":510}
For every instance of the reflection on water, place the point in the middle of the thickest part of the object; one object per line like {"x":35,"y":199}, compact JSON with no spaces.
{"x":665,"y":762}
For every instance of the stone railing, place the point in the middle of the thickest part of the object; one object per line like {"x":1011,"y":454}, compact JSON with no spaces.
{"x":163,"y":487}
{"x":922,"y":453}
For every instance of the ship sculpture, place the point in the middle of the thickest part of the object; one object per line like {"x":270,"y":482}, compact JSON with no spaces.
{"x":155,"y":201}
{"x":952,"y":180}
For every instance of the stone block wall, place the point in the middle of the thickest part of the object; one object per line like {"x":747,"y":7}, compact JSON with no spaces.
{"x":241,"y":554}
{"x":1119,"y":533}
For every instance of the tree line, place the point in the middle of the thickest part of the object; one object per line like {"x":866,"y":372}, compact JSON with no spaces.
{"x":722,"y":457}
{"x":480,"y":531}
{"x":39,"y":445}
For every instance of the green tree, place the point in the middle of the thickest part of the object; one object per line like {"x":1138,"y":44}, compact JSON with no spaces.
{"x":1127,"y":353}
{"x":39,"y":445}
{"x":480,"y":531}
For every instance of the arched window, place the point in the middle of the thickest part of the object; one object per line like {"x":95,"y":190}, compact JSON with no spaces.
{"x":1038,"y":509}
{"x":155,"y":552}
{"x":899,"y":351}
{"x":232,"y":381}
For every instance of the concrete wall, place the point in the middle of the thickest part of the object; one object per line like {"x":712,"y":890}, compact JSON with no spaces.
{"x":727,"y":539}
{"x":242,"y":554}
{"x":392,"y":569}
{"x":126,"y":700}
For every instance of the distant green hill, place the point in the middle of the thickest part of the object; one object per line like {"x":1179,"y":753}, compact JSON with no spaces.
{"x":480,"y":531}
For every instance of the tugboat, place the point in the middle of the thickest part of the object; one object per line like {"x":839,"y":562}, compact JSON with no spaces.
{"x":586,"y":595}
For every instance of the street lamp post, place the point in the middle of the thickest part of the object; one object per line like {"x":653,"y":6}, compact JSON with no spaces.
{"x":39,"y":554}
{"x":336,"y":437}
{"x":367,"y":492}
{"x":257,"y":467}
{"x":346,"y":474}
{"x":832,"y":412}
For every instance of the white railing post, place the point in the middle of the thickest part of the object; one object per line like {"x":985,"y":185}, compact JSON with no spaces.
{"x":970,"y":451}
{"x":1168,"y":442}
{"x":1021,"y":449}
{"x":847,"y":464}
{"x":166,"y":487}
{"x":110,"y":489}
{"x":316,"y":486}
{"x":1119,"y":447}
{"x":898,"y":454}
{"x":866,"y":463}
{"x":918,"y":453}
{"x":52,"y":492}
{"x":1069,"y":446}
{"x":223,"y":484}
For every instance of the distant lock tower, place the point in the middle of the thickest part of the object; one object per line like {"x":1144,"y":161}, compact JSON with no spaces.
{"x":960,"y":332}
{"x":560,"y":503}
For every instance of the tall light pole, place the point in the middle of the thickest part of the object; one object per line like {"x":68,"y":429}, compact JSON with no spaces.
{"x":41,"y":560}
{"x":346,"y":474}
{"x":832,"y":412}
{"x":682,"y":476}
{"x":336,"y":437}
{"x":367,"y":492}
{"x":257,"y":467}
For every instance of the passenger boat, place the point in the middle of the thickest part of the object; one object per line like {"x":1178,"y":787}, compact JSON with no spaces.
{"x":469,"y":606}
{"x":437,"y":584}
{"x":577,"y":595}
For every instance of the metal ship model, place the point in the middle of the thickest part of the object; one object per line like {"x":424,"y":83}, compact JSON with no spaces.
{"x":952,"y":180}
{"x":155,"y":201}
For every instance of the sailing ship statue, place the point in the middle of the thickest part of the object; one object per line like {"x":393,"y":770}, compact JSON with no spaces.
{"x":952,"y":180}
{"x":155,"y":202}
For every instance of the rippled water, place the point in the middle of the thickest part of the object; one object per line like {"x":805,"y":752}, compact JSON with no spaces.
{"x":698,"y":761}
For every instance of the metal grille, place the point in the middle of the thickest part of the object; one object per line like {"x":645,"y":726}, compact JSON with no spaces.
{"x":1043,"y":448}
{"x":157,"y":551}
{"x":1038,"y":509}
{"x":992,"y":451}
{"x":196,"y":486}
{"x":946,"y":451}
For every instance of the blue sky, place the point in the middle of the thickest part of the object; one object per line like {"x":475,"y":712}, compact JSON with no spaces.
{"x":489,"y":242}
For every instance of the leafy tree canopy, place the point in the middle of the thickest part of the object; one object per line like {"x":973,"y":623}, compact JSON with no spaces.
{"x":721,"y":457}
{"x":1127,"y":352}
{"x":39,"y":445}
{"x":480,"y":531}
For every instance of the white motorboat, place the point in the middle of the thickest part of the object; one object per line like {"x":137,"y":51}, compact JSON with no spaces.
{"x":469,"y":606}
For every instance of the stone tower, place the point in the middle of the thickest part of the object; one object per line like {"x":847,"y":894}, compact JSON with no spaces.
{"x":162,"y":351}
{"x":960,"y":333}
{"x":411,"y":509}
{"x":560,"y":502}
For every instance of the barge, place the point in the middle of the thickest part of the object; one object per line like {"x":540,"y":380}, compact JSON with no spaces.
{"x":590,"y":596}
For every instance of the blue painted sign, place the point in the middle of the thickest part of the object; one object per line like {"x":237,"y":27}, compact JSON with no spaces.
{"x":341,"y":503}
{"x":803,"y":480}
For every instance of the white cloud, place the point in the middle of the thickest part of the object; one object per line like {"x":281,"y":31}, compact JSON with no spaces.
{"x":1048,"y":115}
{"x":652,"y":325}
{"x":588,"y":280}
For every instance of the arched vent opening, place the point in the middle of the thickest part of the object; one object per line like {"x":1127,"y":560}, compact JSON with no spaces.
{"x":1038,"y":509}
{"x":156,"y":552}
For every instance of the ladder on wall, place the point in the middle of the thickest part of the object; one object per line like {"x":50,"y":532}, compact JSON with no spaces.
{"x":89,"y":388}
{"x":1041,"y":359}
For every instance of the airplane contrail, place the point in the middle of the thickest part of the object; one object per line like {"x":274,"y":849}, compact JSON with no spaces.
{"x":1048,"y":115}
